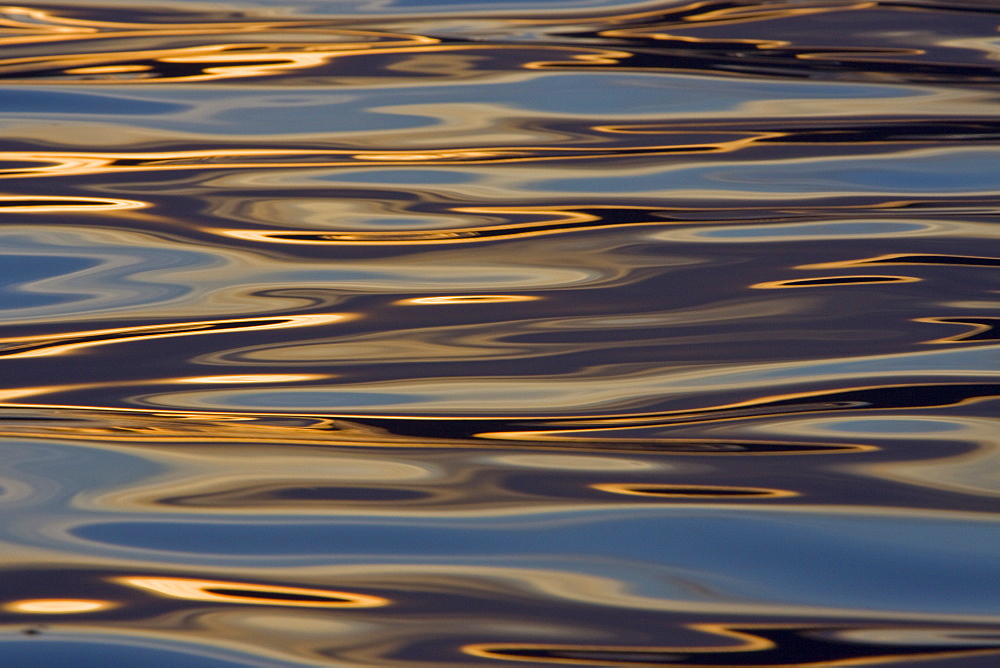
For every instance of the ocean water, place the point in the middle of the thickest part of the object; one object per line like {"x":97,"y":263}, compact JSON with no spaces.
{"x":431,"y":333}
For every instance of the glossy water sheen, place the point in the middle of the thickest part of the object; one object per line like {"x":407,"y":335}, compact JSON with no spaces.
{"x":531,"y":332}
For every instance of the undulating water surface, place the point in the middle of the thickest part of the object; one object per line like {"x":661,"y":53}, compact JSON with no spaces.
{"x":519,"y":332}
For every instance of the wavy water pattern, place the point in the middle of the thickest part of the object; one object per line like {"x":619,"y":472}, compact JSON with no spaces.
{"x":531,"y":332}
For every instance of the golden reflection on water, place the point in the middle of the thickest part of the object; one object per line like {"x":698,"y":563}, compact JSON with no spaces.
{"x":469,"y":299}
{"x":254,"y":378}
{"x":833,"y":281}
{"x":471,"y":398}
{"x":166,"y":426}
{"x":983,"y":329}
{"x":552,"y":221}
{"x":251,"y":594}
{"x":54,"y":163}
{"x":779,"y":646}
{"x":691,"y":491}
{"x":19,"y":347}
{"x":285,"y":54}
{"x":905,"y":258}
{"x":50,"y":204}
{"x":58,"y":606}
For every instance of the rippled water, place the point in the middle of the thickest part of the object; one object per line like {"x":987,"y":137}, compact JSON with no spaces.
{"x":405,"y":333}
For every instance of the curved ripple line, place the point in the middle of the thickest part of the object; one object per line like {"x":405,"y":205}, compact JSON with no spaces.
{"x":251,"y":593}
{"x":19,"y":347}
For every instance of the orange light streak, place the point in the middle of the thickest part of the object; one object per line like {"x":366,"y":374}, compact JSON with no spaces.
{"x":215,"y":591}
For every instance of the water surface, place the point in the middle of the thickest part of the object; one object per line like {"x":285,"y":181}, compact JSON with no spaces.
{"x":415,"y":333}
